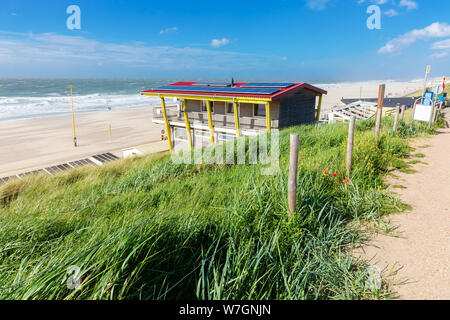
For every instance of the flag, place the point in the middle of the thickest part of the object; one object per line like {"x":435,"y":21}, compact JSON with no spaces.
{"x":443,"y":84}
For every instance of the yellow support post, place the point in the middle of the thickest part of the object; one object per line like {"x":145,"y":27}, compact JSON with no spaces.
{"x":268,"y":118}
{"x":166,"y":123}
{"x":188,"y":126}
{"x":236,"y":118}
{"x":318,"y":108}
{"x":210,"y":122}
{"x":75,"y":143}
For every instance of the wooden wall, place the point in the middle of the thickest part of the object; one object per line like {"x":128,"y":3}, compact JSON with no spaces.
{"x":297,"y":108}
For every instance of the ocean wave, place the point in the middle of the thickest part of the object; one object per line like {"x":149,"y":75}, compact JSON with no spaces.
{"x":29,"y":107}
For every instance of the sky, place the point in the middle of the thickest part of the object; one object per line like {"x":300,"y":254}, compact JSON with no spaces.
{"x":305,"y":40}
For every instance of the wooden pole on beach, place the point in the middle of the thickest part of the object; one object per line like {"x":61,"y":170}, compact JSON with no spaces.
{"x":435,"y":113}
{"x":397,"y":111}
{"x":433,"y":110}
{"x":75,"y":142}
{"x":414,"y":111}
{"x":351,"y":136}
{"x":403,"y":112}
{"x":293,"y":167}
{"x":438,"y":111}
{"x":381,"y":91}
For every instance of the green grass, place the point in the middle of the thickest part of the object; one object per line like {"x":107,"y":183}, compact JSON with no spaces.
{"x":265,"y":254}
{"x":398,"y":186}
{"x":419,"y":155}
{"x":415,"y":161}
{"x":408,"y":171}
{"x":418,"y":93}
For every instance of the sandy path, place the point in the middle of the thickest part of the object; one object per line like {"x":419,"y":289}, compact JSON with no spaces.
{"x":35,"y":143}
{"x":422,"y":252}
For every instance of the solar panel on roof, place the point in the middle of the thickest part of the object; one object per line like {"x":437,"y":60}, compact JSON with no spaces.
{"x":267,"y":85}
{"x":218,"y":84}
{"x":220,"y":89}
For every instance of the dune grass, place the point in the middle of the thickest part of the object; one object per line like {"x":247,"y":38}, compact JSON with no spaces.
{"x":235,"y":240}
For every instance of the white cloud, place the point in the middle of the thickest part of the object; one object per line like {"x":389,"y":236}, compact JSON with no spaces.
{"x":378,"y":2}
{"x":409,"y":4}
{"x":444,"y":48}
{"x":216,"y":43}
{"x":439,"y":45}
{"x":53,"y":54}
{"x":439,"y":55}
{"x":435,"y":30}
{"x":391,"y":13}
{"x":317,"y":4}
{"x":167,"y":30}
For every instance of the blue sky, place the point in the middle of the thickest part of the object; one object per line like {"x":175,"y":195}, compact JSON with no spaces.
{"x":310,"y":40}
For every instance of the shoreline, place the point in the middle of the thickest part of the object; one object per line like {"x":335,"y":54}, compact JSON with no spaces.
{"x":62,"y":114}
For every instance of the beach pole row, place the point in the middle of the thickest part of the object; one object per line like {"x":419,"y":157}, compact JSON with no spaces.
{"x":293,"y":163}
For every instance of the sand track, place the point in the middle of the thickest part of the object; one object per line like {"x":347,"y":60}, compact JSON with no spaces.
{"x":420,"y":254}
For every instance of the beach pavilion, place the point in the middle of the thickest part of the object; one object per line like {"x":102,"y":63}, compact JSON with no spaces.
{"x":208,"y":112}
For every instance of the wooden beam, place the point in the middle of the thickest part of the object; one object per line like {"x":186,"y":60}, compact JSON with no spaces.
{"x":166,"y":123}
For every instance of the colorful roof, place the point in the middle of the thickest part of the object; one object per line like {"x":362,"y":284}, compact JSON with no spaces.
{"x":274,"y":91}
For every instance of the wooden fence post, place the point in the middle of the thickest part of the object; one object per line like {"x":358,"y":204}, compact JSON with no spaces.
{"x":438,"y":112}
{"x":414,"y":111}
{"x":381,"y":91}
{"x":403,"y":112}
{"x":351,"y":136}
{"x":293,"y":166}
{"x":397,"y":111}
{"x":435,"y":113}
{"x":433,"y":110}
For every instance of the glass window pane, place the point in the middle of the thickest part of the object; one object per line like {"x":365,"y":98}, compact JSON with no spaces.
{"x":260,"y":110}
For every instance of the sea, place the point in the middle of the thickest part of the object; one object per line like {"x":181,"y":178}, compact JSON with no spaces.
{"x":33,"y":98}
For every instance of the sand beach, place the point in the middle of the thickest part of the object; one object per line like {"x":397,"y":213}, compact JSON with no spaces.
{"x":29,"y":144}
